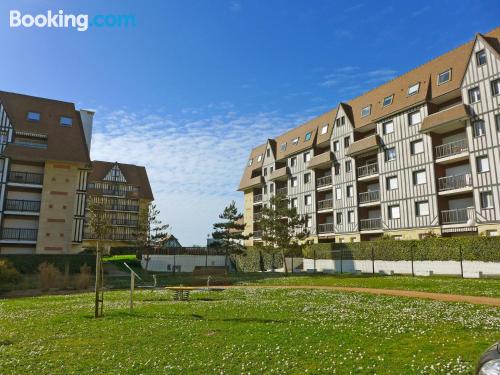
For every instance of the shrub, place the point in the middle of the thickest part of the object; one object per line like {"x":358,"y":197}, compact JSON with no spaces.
{"x":8,"y":274}
{"x":49,"y":276}
{"x":255,"y":260}
{"x":28,"y":263}
{"x":83,"y":280}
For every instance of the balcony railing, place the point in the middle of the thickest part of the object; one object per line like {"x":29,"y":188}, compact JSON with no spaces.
{"x":283,"y":191}
{"x":325,"y":204}
{"x":452,"y":148}
{"x":22,"y":205}
{"x":125,"y":222}
{"x":113,"y":236}
{"x":324,"y":181}
{"x":370,"y":224}
{"x":368,"y":170}
{"x":19,"y":234}
{"x":257,"y":235}
{"x":325,"y":228}
{"x":369,"y":196}
{"x":257,"y":198}
{"x":457,"y":216}
{"x":455,"y":182}
{"x":26,"y":178}
{"x":121,"y":207}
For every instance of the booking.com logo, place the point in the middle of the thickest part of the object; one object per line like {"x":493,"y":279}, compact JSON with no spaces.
{"x":80,"y":22}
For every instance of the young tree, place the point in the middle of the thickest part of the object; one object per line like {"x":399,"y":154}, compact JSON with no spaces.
{"x":283,"y":229}
{"x":150,"y":230}
{"x":228,"y":234}
{"x":99,"y":224}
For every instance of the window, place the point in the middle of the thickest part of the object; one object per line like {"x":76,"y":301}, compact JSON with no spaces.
{"x":388,"y":127}
{"x":307,"y":178}
{"x":419,"y":177}
{"x":265,"y":189}
{"x":495,"y":87}
{"x":259,"y":159}
{"x":250,"y":162}
{"x":265,"y":171}
{"x":294,"y":203}
{"x":341,"y":121}
{"x":486,"y":199}
{"x":417,"y":147}
{"x":33,"y":116}
{"x":324,"y":129}
{"x":309,"y":221}
{"x":293,"y":161}
{"x":347,"y":141}
{"x":444,"y":77}
{"x":339,"y":218}
{"x":414,"y":118}
{"x":394,"y":212}
{"x":474,"y":95}
{"x":271,"y":187}
{"x":307,"y":200}
{"x":413,"y":89}
{"x":307,"y":156}
{"x":350,"y":217}
{"x":295,"y":141}
{"x":422,"y":208}
{"x":336,"y":167}
{"x":66,"y":121}
{"x":307,"y":137}
{"x":481,"y":57}
{"x":348,"y":166}
{"x":392,"y":183}
{"x":338,"y":193}
{"x":479,"y":128}
{"x":390,"y":154}
{"x":482,"y":164}
{"x":268,"y":152}
{"x":271,"y":169}
{"x":294,"y":182}
{"x":283,"y":146}
{"x":387,"y":101}
{"x":350,"y":191}
{"x":366,"y":111}
{"x":336,"y":146}
{"x":492,"y":233}
{"x":497,"y":121}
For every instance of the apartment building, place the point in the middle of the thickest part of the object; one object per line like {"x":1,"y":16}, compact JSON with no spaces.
{"x":44,"y":162}
{"x":418,"y":154}
{"x":125,"y":192}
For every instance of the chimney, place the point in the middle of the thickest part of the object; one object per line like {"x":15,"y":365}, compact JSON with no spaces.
{"x":87,"y":116}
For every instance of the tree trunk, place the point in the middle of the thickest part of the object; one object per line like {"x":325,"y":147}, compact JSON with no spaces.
{"x":97,"y":279}
{"x":284,"y":262}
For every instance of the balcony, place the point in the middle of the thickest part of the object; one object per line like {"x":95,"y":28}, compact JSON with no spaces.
{"x":455,"y":184}
{"x":364,"y":146}
{"x":368,"y":197}
{"x":25,"y":206}
{"x":446,"y":120}
{"x":125,"y":222}
{"x":368,"y":171}
{"x":281,"y":174}
{"x":323,"y":182}
{"x":370,"y":224}
{"x":19,"y":234}
{"x":321,"y":161}
{"x":257,"y":198}
{"x":282,"y":191}
{"x":121,"y":207}
{"x":250,"y":183}
{"x":25,"y":178}
{"x":452,"y":151}
{"x":113,"y":236}
{"x":325,"y":228}
{"x":257,"y":216}
{"x":257,"y":235}
{"x":458,"y":216}
{"x":326,"y":204}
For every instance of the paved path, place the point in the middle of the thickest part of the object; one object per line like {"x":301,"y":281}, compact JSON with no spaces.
{"x":478,"y":300}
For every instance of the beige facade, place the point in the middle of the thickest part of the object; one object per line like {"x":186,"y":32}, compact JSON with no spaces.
{"x":417,"y":155}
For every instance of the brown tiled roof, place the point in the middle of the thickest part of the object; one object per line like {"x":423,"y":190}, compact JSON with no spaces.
{"x":247,"y":174}
{"x":65,"y":143}
{"x":134,"y":174}
{"x":364,"y":145}
{"x":454,"y":113}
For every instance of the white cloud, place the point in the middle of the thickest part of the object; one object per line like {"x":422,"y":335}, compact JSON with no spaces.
{"x":350,"y":78}
{"x":194,"y":160}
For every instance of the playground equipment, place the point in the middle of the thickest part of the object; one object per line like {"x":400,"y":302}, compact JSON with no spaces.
{"x":133,"y":275}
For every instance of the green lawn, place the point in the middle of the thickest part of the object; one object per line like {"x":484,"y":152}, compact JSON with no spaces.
{"x":244,"y":331}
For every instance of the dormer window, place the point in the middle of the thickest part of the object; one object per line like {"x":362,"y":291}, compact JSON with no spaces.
{"x":308,"y":136}
{"x":481,"y":57}
{"x":444,"y":77}
{"x":259,"y":158}
{"x":413,"y":89}
{"x":366,"y":111}
{"x":324,"y":129}
{"x":33,"y":116}
{"x":295,"y":141}
{"x":387,"y":100}
{"x":283,"y":147}
{"x":66,"y":121}
{"x":250,"y":162}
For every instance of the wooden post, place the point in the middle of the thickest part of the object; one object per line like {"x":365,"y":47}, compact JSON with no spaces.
{"x":97,"y":281}
{"x":132,"y":285}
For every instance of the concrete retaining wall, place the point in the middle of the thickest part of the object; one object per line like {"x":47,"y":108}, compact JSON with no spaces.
{"x":183,"y":263}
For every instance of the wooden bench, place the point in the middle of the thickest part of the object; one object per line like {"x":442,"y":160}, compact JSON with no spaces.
{"x":181,"y":293}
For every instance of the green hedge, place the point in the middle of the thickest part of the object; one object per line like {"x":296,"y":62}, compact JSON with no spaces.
{"x":28,"y":263}
{"x":253,"y":260}
{"x":475,"y":248}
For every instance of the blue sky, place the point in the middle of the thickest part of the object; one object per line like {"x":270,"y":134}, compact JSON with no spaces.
{"x":194,"y":85}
